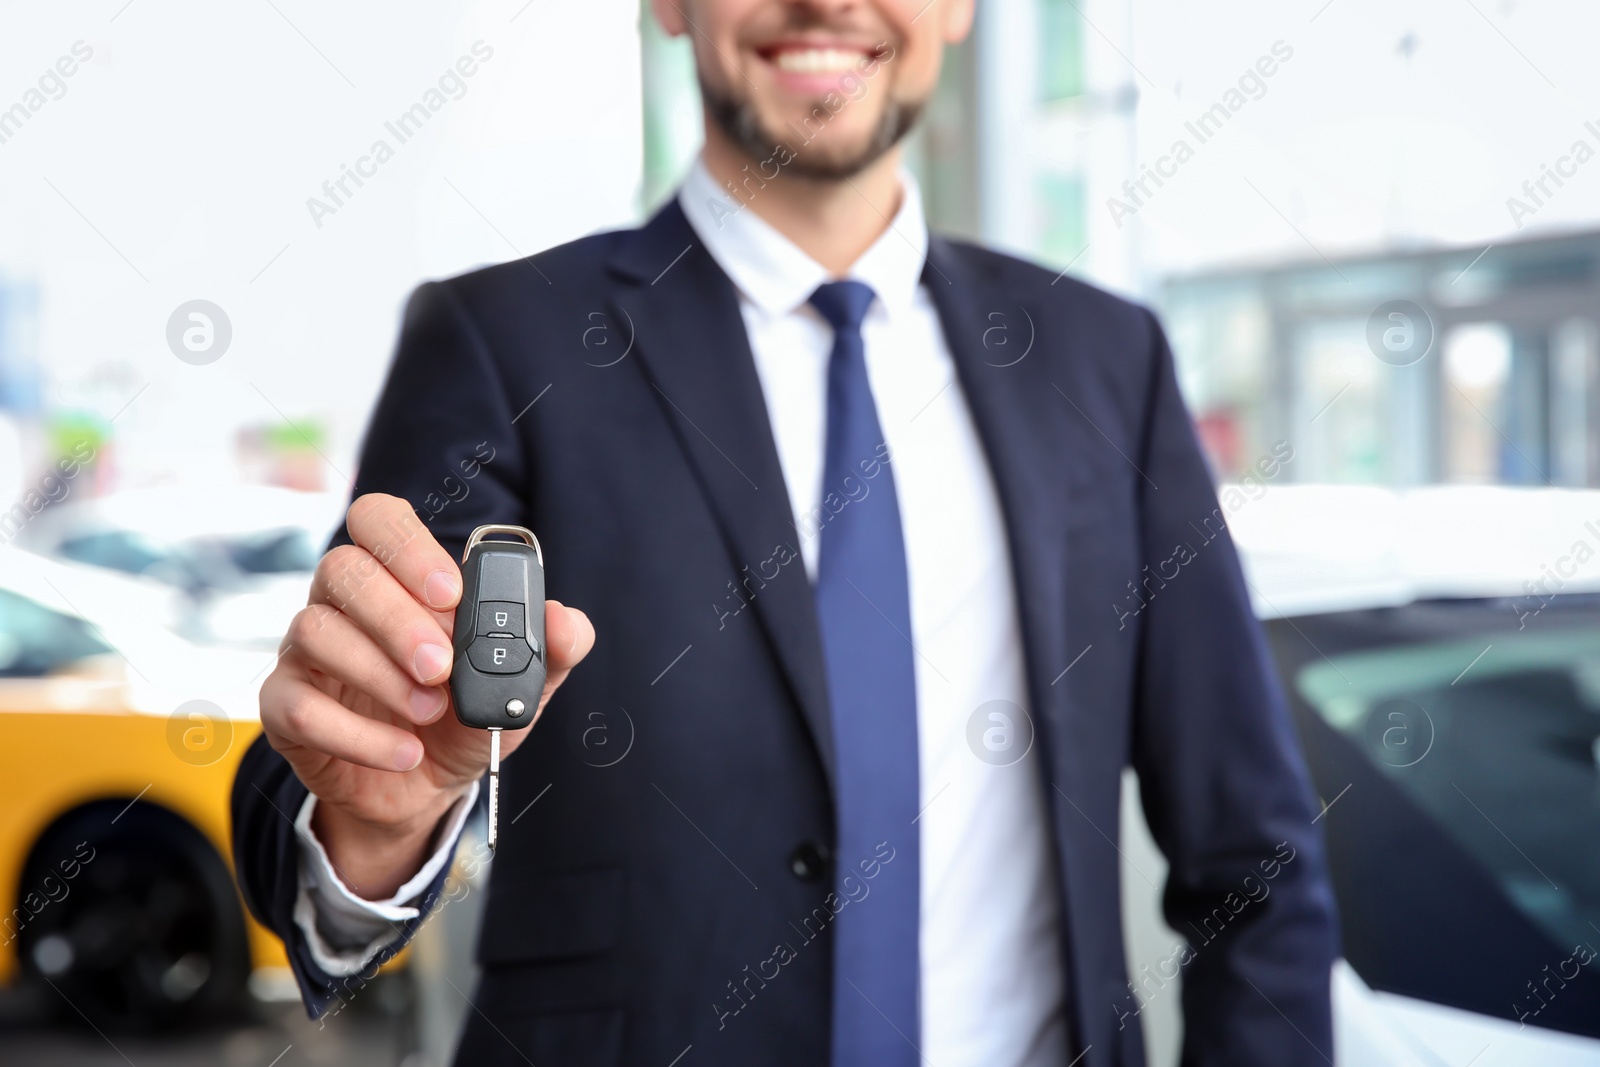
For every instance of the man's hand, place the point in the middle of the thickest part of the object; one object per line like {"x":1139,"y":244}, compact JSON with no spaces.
{"x":358,"y":703}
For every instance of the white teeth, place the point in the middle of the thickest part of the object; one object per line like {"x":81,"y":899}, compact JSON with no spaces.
{"x":817,"y":60}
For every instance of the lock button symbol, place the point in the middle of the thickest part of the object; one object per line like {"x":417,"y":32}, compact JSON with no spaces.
{"x":500,"y":618}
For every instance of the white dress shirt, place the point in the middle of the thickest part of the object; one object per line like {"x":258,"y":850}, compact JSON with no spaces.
{"x":991,"y":974}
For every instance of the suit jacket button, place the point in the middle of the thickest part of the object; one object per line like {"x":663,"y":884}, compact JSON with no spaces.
{"x":808,"y":861}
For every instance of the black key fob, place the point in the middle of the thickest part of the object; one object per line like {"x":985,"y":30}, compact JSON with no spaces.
{"x":500,"y":660}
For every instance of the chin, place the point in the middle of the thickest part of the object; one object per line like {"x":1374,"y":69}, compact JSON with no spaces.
{"x":832,"y":137}
{"x":833,"y":145}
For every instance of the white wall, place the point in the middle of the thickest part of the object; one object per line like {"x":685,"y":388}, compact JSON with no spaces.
{"x":1396,"y":123}
{"x":191,"y":141}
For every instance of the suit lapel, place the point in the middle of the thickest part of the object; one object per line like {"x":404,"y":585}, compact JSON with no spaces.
{"x":691,"y":340}
{"x":1004,"y":372}
{"x":692,"y":343}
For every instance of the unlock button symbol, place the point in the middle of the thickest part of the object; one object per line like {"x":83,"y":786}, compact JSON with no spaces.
{"x":500,"y":655}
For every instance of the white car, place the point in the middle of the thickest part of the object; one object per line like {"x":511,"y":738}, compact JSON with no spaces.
{"x":150,"y":669}
{"x":1440,"y":648}
{"x":233,"y":562}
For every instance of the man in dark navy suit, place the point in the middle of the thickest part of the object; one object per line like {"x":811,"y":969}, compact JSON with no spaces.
{"x":892,"y":553}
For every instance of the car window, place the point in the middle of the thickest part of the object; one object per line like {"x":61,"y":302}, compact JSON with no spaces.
{"x":34,"y":640}
{"x":118,"y":550}
{"x":273,"y":552}
{"x":1498,"y":743}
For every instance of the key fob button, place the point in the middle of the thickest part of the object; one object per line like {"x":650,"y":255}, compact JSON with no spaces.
{"x":499,"y":655}
{"x":500,"y":617}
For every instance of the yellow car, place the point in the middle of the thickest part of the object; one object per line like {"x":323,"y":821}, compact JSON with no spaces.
{"x":118,"y":744}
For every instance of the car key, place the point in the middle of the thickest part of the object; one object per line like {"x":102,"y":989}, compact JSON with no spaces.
{"x":500,"y":665}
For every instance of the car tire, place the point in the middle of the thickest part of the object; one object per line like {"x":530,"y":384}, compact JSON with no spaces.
{"x":146,"y":933}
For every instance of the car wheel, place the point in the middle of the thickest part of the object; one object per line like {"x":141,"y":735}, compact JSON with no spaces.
{"x":146,"y":933}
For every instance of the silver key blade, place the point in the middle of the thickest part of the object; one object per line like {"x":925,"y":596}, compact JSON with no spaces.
{"x":494,"y":787}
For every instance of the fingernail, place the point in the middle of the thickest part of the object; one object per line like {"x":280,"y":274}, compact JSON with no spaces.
{"x":426,"y":704}
{"x":407,"y":755}
{"x":440,"y":589}
{"x":430,"y":661}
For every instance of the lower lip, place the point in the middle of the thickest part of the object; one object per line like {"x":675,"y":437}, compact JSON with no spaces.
{"x":808,"y":83}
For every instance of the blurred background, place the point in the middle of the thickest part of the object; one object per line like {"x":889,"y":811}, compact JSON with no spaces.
{"x":1372,"y":230}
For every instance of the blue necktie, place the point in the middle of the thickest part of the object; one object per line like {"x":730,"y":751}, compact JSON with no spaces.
{"x":864,"y":611}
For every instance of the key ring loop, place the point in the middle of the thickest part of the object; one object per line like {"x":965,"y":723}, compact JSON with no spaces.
{"x":483,"y":532}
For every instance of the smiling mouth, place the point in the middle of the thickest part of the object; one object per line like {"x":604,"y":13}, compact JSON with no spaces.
{"x":806,"y":65}
{"x":818,"y":60}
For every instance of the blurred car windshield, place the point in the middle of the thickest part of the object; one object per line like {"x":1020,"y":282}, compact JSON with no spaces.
{"x":118,"y":550}
{"x":35,"y":641}
{"x":273,"y":552}
{"x":204,"y":562}
{"x":1502,"y":754}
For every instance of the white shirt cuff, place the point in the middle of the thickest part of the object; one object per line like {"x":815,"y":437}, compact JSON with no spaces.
{"x":344,"y":931}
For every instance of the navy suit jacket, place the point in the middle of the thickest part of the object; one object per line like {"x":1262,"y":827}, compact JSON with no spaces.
{"x":603,"y":393}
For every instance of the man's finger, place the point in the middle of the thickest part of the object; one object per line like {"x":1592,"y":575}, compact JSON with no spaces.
{"x":388,"y":528}
{"x":568,"y":636}
{"x":328,"y":641}
{"x":297,"y":712}
{"x":353,"y":581}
